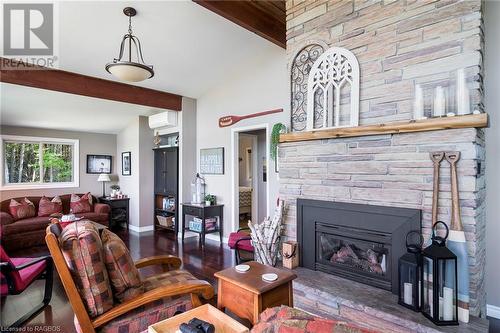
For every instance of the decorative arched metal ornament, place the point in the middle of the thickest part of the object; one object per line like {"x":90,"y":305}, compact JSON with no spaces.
{"x":299,"y":72}
{"x":330,"y":72}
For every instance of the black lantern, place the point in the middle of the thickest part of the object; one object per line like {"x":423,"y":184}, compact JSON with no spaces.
{"x":439,"y":284}
{"x":410,"y":272}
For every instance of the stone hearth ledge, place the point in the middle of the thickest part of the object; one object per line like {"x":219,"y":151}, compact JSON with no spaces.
{"x":334,"y":297}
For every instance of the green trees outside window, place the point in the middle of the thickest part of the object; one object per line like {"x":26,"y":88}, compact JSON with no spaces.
{"x":30,"y":162}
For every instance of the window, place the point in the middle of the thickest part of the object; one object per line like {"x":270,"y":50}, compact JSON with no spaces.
{"x":30,"y":162}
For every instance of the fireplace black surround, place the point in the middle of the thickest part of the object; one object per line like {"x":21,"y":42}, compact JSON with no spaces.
{"x":355,"y":241}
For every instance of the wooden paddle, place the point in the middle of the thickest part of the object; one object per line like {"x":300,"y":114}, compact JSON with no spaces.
{"x":231,"y":120}
{"x":436,"y":157}
{"x":456,"y":241}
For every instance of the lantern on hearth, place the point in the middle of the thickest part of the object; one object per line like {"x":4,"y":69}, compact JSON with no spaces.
{"x":439,"y":281}
{"x":410,"y":272}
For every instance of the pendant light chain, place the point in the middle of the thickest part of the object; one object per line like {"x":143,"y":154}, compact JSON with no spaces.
{"x":130,"y":39}
{"x":130,"y":25}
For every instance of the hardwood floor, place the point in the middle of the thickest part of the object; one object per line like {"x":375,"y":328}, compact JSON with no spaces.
{"x":58,"y":316}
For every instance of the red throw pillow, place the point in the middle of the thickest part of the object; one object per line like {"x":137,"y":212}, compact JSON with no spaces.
{"x":21,"y":210}
{"x":48,"y":207}
{"x":81,"y":205}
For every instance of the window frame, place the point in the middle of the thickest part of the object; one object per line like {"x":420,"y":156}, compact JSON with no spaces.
{"x":40,"y":140}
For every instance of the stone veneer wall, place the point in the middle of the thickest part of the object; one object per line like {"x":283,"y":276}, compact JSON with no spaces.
{"x":398,"y":44}
{"x":393,"y":170}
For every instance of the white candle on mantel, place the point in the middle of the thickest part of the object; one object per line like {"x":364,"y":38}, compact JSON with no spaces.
{"x":447,"y":303}
{"x":418,"y":112}
{"x":463,"y":103}
{"x":408,"y":291}
{"x":439,"y":102}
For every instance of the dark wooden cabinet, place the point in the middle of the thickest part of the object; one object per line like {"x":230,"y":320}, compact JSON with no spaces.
{"x":166,"y":171}
{"x":166,"y":186}
{"x":119,"y":211}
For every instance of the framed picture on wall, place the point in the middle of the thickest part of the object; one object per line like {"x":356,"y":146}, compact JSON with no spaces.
{"x":212,"y":161}
{"x":99,"y":164}
{"x":126,"y":163}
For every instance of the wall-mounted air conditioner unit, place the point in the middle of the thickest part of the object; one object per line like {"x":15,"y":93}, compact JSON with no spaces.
{"x":164,"y":119}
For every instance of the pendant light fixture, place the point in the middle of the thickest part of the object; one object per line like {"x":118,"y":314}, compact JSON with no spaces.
{"x":127,"y":69}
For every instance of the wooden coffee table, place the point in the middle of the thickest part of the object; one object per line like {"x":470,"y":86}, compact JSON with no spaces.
{"x":222,"y":322}
{"x":247,"y":295}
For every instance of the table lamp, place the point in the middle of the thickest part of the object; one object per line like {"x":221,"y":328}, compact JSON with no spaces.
{"x":103,"y":177}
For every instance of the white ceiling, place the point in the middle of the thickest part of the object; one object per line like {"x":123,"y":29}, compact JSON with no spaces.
{"x":39,"y":108}
{"x":191,"y":48}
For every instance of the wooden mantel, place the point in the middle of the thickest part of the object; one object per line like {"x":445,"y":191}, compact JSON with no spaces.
{"x":432,"y":124}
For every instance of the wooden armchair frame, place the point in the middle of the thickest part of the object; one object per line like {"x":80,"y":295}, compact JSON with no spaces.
{"x":167,"y":262}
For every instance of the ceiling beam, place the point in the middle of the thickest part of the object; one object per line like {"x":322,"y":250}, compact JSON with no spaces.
{"x":265,"y":18}
{"x":20,"y":73}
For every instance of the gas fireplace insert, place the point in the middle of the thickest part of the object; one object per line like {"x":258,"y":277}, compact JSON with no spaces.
{"x":359,"y":242}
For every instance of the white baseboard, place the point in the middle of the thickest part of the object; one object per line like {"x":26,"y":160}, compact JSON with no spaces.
{"x":216,"y":237}
{"x":135,"y":228}
{"x":493,"y":311}
{"x":187,"y":234}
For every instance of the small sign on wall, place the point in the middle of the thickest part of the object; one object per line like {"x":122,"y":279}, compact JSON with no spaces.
{"x":212,"y":161}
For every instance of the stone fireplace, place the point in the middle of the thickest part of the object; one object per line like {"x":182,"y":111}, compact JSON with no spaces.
{"x":395,"y":171}
{"x":354,"y":241}
{"x":398,"y":44}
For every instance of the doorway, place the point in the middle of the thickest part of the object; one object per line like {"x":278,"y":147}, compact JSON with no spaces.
{"x":250,"y":190}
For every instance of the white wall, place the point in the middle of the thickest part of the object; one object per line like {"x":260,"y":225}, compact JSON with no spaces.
{"x":128,"y":140}
{"x":492,"y":103}
{"x":137,"y":138}
{"x":186,"y":127}
{"x":260,"y":87}
{"x":261,"y":154}
{"x":90,"y":143}
{"x":146,"y":173}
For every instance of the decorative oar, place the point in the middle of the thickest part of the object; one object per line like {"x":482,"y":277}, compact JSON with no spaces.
{"x":456,"y":241}
{"x":436,"y":157}
{"x":231,"y":120}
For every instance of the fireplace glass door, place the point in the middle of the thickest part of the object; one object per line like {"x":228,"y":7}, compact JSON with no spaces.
{"x":354,"y":258}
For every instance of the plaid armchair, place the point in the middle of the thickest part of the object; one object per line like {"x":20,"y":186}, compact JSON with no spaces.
{"x":164,"y":294}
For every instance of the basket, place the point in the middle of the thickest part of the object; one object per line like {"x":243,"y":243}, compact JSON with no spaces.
{"x":166,"y":221}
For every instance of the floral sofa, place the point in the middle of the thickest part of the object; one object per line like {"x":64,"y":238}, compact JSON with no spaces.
{"x":27,"y":232}
{"x":284,"y":319}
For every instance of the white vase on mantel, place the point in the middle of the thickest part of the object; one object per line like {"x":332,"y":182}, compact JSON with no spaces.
{"x":418,"y":107}
{"x":439,"y":102}
{"x":463,"y":98}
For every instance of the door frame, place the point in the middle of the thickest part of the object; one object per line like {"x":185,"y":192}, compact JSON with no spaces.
{"x":235,"y":200}
{"x":255,"y":176}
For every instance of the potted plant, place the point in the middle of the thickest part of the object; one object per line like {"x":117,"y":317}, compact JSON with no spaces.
{"x":278,"y":128}
{"x":114,"y":189}
{"x":209,"y":199}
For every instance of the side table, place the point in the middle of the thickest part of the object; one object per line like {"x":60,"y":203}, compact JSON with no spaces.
{"x":203,"y":212}
{"x":119,"y":210}
{"x":245,"y":293}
